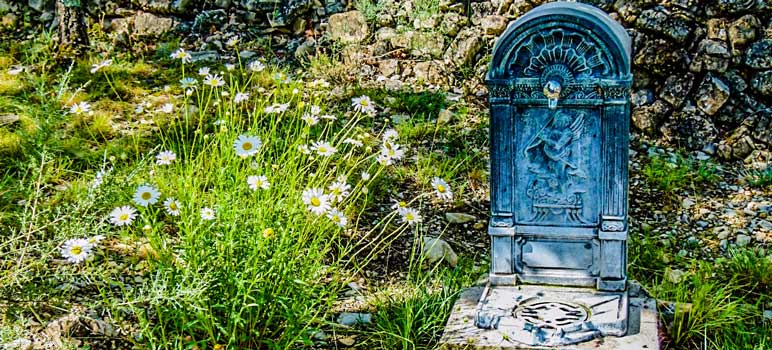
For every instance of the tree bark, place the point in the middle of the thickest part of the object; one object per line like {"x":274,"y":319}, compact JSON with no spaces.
{"x":73,"y":32}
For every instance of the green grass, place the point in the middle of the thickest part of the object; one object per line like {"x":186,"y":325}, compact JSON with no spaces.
{"x":369,"y":8}
{"x":758,"y":178}
{"x":414,"y":317}
{"x":716,"y":305}
{"x":266,"y":273}
{"x":183,"y":281}
{"x":674,"y":173}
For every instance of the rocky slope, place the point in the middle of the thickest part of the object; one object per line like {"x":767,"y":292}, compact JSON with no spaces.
{"x":703,"y":69}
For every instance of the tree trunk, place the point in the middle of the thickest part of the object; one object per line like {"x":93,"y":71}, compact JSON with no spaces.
{"x":73,"y":32}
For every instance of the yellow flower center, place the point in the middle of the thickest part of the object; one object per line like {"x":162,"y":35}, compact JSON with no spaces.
{"x":146,"y":196}
{"x":246,"y":146}
{"x":402,"y":204}
{"x":124,"y":217}
{"x":409,"y":217}
{"x":335,"y":218}
{"x":322,"y":149}
{"x":315,"y":202}
{"x":173,"y":206}
{"x":76,"y":250}
{"x":268,"y":232}
{"x":364,"y":103}
{"x":440,"y":188}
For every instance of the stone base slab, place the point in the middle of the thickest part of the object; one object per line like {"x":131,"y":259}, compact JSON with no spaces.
{"x":461,"y":332}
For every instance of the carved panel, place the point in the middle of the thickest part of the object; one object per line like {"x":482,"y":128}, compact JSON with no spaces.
{"x":557,"y":157}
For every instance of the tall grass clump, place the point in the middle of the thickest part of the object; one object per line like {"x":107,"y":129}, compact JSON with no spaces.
{"x":269,"y":188}
{"x":238,"y":196}
{"x":413,"y":316}
{"x":705,"y":311}
{"x":675,"y":173}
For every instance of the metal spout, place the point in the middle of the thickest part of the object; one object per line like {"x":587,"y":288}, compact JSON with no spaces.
{"x":552,"y":92}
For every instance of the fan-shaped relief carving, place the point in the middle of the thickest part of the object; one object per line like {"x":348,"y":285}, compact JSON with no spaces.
{"x":567,"y":57}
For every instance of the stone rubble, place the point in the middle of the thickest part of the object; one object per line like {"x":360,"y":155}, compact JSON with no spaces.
{"x":703,"y":73}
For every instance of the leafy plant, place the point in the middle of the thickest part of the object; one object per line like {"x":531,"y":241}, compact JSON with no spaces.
{"x":369,"y":8}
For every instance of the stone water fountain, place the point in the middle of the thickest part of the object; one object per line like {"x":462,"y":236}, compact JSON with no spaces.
{"x":559,"y":92}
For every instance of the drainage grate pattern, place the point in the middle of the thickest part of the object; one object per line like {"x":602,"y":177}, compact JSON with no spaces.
{"x":551,"y":314}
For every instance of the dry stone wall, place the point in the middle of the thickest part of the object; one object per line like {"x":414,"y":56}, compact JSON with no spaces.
{"x":703,"y":69}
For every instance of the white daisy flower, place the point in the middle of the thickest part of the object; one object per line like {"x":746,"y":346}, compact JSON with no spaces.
{"x":390,"y":135}
{"x":232,"y":41}
{"x":316,"y":110}
{"x":166,"y":108}
{"x":398,"y":205}
{"x":80,"y":108}
{"x":323,"y":148}
{"x":76,"y":250}
{"x":384,"y":160}
{"x":165,"y":157}
{"x":181,"y":55}
{"x":122,"y":216}
{"x":276,"y":108}
{"x":146,"y":195}
{"x":258,"y":181}
{"x":304,"y":149}
{"x":281,"y":108}
{"x":392,"y":151}
{"x":410,"y":216}
{"x":365,"y":176}
{"x":328,"y":117}
{"x":256,"y":66}
{"x":354,"y":142}
{"x":442,"y":189}
{"x":188,"y":83}
{"x":230,"y":66}
{"x":246,"y":145}
{"x":172,"y":206}
{"x":97,"y":66}
{"x":320,"y":83}
{"x":316,"y":201}
{"x":16,"y":70}
{"x":363,"y":104}
{"x":337,"y":217}
{"x":203,"y":71}
{"x":93,"y":241}
{"x":214,"y":80}
{"x":207,"y":213}
{"x":339,"y":190}
{"x":240,"y":97}
{"x":310,"y":119}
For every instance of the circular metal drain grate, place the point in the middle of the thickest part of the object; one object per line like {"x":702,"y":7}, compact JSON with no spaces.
{"x":552,"y":314}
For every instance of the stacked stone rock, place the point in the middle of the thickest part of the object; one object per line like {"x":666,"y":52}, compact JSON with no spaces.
{"x":703,"y":68}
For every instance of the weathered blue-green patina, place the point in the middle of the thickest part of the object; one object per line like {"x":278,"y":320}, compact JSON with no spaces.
{"x":559,"y":86}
